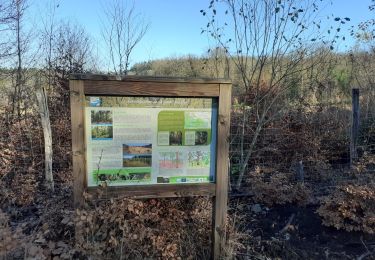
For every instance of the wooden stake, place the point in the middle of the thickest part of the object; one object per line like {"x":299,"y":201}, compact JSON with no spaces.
{"x":355,"y":126}
{"x":41,"y":97}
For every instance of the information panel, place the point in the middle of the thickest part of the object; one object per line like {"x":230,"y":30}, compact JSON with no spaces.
{"x":150,"y":140}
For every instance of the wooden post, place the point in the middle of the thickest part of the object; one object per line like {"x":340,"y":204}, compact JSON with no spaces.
{"x":41,"y":97}
{"x":221,"y":198}
{"x":77,"y":99}
{"x":355,"y":126}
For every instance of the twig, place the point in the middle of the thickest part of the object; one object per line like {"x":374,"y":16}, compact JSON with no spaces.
{"x":361,"y":257}
{"x":285,"y":228}
{"x":366,"y":253}
{"x":238,"y":194}
{"x":363,"y":243}
{"x":100,"y":160}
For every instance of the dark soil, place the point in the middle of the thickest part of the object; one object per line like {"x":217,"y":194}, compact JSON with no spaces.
{"x":296,"y":232}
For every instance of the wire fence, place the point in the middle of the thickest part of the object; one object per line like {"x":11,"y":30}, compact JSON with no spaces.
{"x":309,"y":145}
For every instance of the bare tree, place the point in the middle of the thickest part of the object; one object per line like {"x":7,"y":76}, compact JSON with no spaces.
{"x":217,"y":62}
{"x":7,"y":16}
{"x":20,"y":44}
{"x":122,"y":30}
{"x":47,"y":38}
{"x":20,"y":8}
{"x":361,"y":59}
{"x":270,"y":43}
{"x":66,"y":49}
{"x":72,"y":49}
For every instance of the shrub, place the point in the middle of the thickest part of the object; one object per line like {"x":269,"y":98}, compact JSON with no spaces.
{"x":9,"y":239}
{"x":277,"y":188}
{"x":350,"y":207}
{"x":133,"y":229}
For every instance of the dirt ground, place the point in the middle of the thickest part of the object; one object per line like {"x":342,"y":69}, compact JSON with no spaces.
{"x":296,"y":232}
{"x":280,"y":232}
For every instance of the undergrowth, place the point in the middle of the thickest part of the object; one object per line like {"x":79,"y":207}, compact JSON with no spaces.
{"x":277,"y":188}
{"x":350,"y":207}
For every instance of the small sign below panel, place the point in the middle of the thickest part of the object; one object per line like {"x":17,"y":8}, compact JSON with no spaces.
{"x":150,"y":140}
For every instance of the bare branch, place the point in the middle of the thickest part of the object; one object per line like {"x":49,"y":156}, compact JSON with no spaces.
{"x":122,"y":30}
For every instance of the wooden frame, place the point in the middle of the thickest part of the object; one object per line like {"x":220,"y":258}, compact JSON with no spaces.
{"x":82,"y":84}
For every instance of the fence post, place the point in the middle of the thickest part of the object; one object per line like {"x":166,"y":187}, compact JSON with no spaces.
{"x":300,"y":172}
{"x":41,"y":97}
{"x":355,"y":126}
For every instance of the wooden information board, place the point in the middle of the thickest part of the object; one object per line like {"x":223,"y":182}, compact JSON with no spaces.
{"x":148,"y":137}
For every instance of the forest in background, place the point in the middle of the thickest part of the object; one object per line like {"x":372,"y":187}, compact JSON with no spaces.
{"x":290,"y":139}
